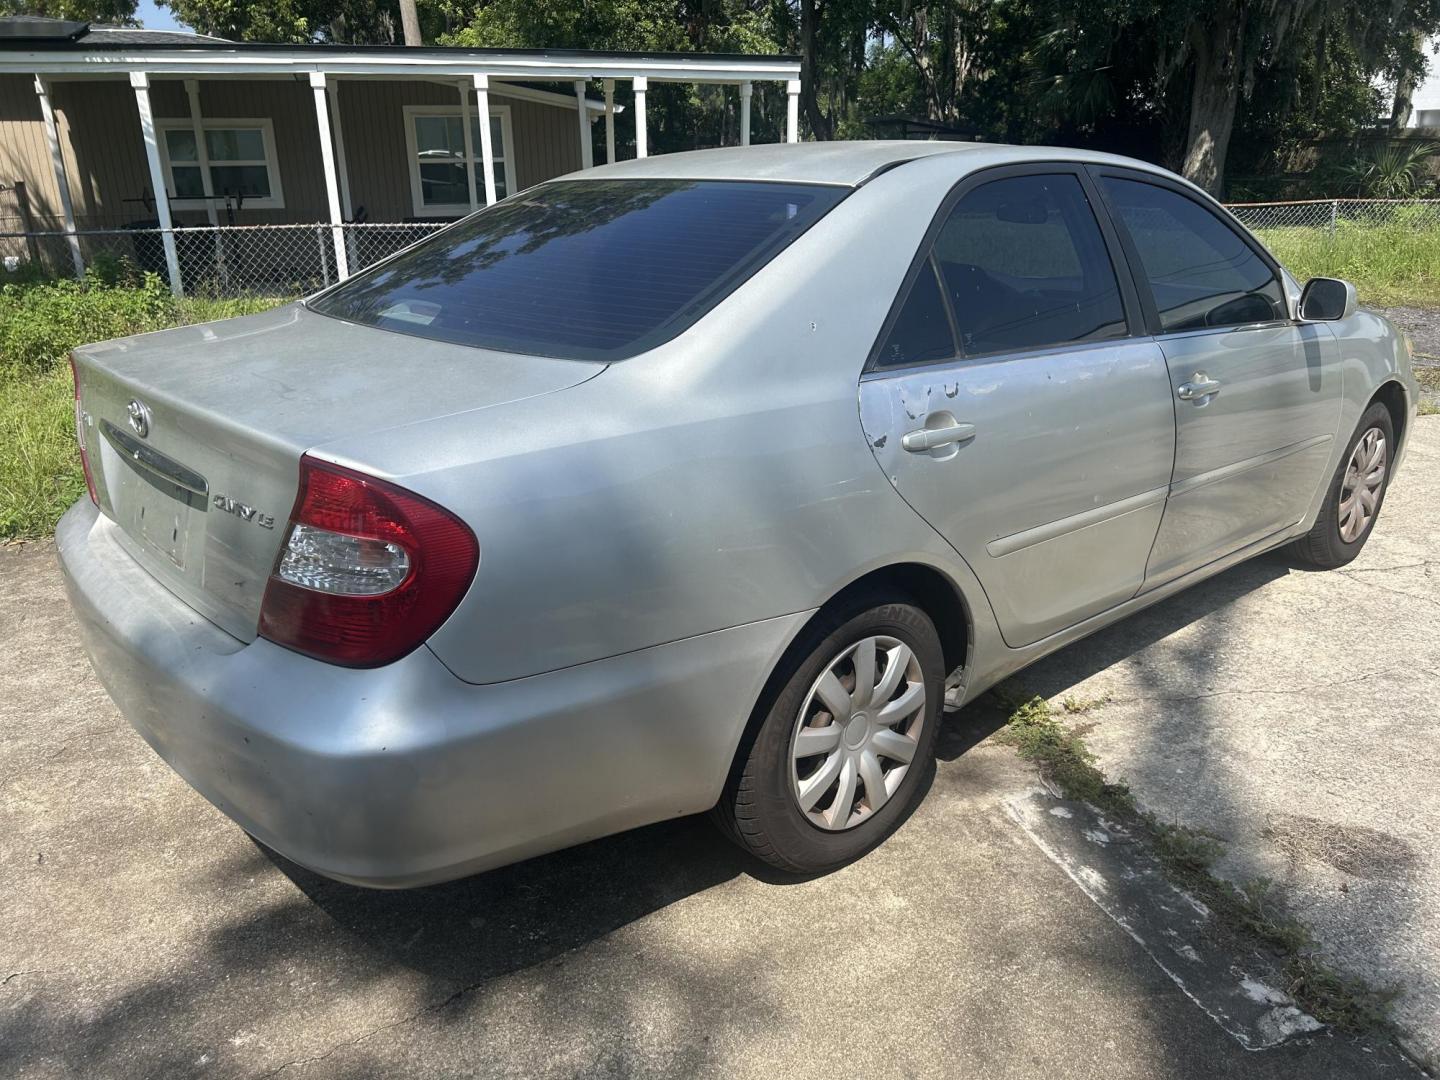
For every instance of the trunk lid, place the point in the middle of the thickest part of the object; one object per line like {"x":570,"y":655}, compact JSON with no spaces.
{"x":195,"y":434}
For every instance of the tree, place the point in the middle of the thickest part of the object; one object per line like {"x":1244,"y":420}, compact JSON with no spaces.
{"x":680,"y":116}
{"x":349,"y":22}
{"x":110,"y":12}
{"x":410,"y":20}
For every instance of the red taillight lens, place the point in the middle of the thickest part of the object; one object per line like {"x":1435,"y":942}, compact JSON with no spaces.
{"x":80,"y":434}
{"x":368,"y":571}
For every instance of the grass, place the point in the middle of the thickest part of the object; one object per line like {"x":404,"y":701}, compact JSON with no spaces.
{"x":1429,"y":379}
{"x":1187,"y":856}
{"x":40,"y":322}
{"x":1396,"y":264}
{"x":39,"y":469}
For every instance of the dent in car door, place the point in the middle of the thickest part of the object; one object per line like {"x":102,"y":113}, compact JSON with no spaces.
{"x":1055,"y":500}
{"x":1256,"y":394}
{"x":1042,"y":451}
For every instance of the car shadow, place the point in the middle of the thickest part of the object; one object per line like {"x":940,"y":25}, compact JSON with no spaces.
{"x":510,"y":918}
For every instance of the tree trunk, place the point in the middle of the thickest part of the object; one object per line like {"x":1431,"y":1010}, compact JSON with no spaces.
{"x":1214,"y":94}
{"x":809,"y":71}
{"x":410,"y":20}
{"x":1405,"y":91}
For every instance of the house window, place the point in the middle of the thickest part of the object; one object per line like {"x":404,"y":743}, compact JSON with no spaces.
{"x":242,"y":161}
{"x":439,"y":182}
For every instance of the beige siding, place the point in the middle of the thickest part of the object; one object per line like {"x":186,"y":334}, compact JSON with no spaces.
{"x":547,"y":140}
{"x":104,"y":156}
{"x":24,"y":155}
{"x":105,"y":159}
{"x":545,"y":137}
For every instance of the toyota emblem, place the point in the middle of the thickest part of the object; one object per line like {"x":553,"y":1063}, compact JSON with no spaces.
{"x":139,"y":417}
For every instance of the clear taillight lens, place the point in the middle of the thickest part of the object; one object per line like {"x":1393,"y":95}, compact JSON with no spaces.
{"x":344,"y":565}
{"x":368,"y":570}
{"x":80,"y":434}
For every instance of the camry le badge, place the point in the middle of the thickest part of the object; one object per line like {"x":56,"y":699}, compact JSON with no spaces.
{"x":245,"y":513}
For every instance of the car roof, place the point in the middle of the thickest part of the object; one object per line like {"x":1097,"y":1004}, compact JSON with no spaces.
{"x":847,"y":163}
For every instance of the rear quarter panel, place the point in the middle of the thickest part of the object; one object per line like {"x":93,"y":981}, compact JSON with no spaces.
{"x":718,"y":480}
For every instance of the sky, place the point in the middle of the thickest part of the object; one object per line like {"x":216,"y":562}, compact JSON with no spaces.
{"x":155,"y":18}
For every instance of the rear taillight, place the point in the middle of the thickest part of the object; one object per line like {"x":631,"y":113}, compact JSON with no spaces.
{"x":368,"y":570}
{"x":80,"y":434}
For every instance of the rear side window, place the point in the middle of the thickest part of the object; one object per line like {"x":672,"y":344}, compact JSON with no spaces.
{"x":584,"y":269}
{"x":922,"y":329}
{"x":1025,"y":266}
{"x":1202,"y":273}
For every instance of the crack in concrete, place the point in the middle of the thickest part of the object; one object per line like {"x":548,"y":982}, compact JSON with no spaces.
{"x":380,"y":1030}
{"x":1351,"y":575}
{"x":16,"y":974}
{"x":1248,"y":691}
{"x":1383,"y":569}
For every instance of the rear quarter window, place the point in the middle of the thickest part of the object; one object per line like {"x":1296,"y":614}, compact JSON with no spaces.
{"x":584,"y":269}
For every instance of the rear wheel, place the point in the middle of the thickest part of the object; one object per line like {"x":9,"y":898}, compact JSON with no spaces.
{"x":1356,"y":494}
{"x":839,"y":758}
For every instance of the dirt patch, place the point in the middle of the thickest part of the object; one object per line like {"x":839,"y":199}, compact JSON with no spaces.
{"x":1352,"y":849}
{"x":1423,"y":326}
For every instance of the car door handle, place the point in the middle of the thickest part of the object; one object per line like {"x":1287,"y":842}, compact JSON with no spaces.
{"x":1200,"y":387}
{"x":917,"y":442}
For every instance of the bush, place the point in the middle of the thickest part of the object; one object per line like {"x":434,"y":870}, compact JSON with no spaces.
{"x":40,"y":322}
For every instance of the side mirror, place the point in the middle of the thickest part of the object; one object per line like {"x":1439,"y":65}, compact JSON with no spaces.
{"x":1327,"y":299}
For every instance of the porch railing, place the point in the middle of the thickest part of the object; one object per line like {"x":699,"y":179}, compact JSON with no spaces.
{"x":292,"y":260}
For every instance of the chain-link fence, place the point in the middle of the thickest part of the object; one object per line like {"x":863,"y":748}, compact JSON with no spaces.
{"x":292,"y":260}
{"x":229,"y":260}
{"x":1332,"y":215}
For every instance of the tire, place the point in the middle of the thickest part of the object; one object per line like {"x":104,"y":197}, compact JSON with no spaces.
{"x":1334,"y":541}
{"x":761,"y":808}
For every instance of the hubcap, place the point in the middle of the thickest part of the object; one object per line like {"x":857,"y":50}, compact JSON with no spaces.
{"x":857,"y":733}
{"x":1360,"y":490}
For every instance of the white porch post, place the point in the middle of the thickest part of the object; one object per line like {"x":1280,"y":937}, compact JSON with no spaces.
{"x":327,"y":162}
{"x":746,"y":89}
{"x":141,"y":82}
{"x":642,"y":148}
{"x":469,"y":147}
{"x":487,"y":148}
{"x":202,"y":156}
{"x":202,"y":152}
{"x":341,"y":168}
{"x":792,"y":111}
{"x":587,"y":151}
{"x":609,"y":121}
{"x":57,"y":160}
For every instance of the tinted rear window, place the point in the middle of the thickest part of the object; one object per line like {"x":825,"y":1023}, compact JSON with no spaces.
{"x":588,"y":269}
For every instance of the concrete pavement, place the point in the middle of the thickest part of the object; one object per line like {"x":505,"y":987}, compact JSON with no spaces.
{"x":1297,"y":715}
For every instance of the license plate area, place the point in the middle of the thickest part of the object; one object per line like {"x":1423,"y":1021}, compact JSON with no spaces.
{"x":155,"y":499}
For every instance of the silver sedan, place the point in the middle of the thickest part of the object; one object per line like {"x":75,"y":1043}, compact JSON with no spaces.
{"x":699,"y":482}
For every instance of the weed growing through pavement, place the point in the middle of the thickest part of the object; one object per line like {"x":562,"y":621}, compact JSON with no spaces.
{"x":1187,"y":856}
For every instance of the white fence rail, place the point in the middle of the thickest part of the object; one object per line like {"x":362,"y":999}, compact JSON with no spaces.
{"x":292,"y":260}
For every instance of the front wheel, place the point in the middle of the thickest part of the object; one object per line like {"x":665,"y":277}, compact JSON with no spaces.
{"x":839,"y":758}
{"x":1356,"y":494}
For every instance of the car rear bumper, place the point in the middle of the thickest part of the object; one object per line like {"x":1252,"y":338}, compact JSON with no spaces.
{"x":405,"y":775}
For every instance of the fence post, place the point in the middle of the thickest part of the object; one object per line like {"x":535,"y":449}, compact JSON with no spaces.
{"x":324,"y":263}
{"x":1334,"y":211}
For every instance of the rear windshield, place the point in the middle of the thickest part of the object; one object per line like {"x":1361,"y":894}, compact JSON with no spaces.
{"x":586,"y":269}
